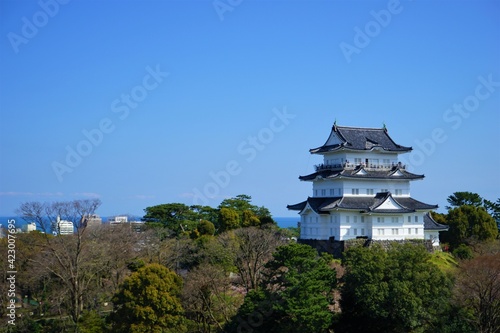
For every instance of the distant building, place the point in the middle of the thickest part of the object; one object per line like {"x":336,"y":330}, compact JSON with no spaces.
{"x":62,"y":227}
{"x":118,"y":219}
{"x":361,"y":190}
{"x":92,"y":220}
{"x":29,"y":227}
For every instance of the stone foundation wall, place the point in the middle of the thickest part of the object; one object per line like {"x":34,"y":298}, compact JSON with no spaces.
{"x":336,"y":248}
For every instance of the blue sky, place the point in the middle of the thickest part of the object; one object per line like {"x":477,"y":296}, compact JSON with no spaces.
{"x":147,"y":102}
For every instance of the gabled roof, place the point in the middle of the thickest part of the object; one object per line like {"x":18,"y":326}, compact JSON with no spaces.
{"x":430,"y":224}
{"x":357,"y":138}
{"x":364,"y":204}
{"x":360,"y":172}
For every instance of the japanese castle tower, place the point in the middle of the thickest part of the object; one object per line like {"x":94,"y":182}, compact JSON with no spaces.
{"x":362,"y":190}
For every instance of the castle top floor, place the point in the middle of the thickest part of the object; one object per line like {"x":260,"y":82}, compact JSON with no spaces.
{"x":360,"y":140}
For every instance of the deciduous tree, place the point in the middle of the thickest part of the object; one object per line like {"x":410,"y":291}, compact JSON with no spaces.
{"x":477,"y":289}
{"x":71,"y":259}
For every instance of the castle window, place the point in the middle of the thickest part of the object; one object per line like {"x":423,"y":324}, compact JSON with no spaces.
{"x":395,"y":219}
{"x":332,"y":192}
{"x":409,"y":218}
{"x":416,"y":218}
{"x":347,"y":219}
{"x":409,"y":231}
{"x":399,"y":192}
{"x":323,"y":193}
{"x":355,"y":219}
{"x":362,"y":219}
{"x":355,"y":232}
{"x":369,"y":191}
{"x":355,"y":191}
{"x":380,"y":219}
{"x":357,"y":161}
{"x":362,"y":231}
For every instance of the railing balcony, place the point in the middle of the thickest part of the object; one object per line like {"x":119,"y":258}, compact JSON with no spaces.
{"x":351,"y":166}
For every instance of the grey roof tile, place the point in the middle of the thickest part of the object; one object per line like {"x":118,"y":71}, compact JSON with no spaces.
{"x":357,"y":138}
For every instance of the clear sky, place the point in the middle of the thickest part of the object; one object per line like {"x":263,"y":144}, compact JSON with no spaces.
{"x":147,"y":102}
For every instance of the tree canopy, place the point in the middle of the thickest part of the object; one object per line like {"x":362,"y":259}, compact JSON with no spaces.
{"x":470,"y":222}
{"x":148,"y":301}
{"x":295,"y":297}
{"x":458,"y":199}
{"x":394,"y":290}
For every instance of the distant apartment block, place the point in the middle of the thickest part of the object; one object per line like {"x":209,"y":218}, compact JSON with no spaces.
{"x":92,"y":220}
{"x":29,"y":227}
{"x":62,"y":227}
{"x":118,"y":219}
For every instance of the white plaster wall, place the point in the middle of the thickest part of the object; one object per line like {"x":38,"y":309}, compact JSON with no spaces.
{"x":341,"y":157}
{"x":345,"y":186}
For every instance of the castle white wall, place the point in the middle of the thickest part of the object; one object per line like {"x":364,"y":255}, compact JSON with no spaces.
{"x":330,"y":188}
{"x":344,"y":225}
{"x":372,"y":158}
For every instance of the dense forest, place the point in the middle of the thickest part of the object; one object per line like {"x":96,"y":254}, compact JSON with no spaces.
{"x":232,"y":269}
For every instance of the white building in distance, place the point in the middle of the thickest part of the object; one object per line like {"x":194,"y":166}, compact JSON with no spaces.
{"x":29,"y":227}
{"x":62,"y":227}
{"x":92,"y":220}
{"x":118,"y":219}
{"x":361,"y":190}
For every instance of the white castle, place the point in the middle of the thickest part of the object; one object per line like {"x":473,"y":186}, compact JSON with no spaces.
{"x":361,"y":190}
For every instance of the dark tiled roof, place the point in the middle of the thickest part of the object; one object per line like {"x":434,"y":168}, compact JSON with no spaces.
{"x":430,"y":224}
{"x":362,"y":204}
{"x":368,"y":174}
{"x":356,"y":138}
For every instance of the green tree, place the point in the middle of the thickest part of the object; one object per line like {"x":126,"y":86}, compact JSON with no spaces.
{"x":148,"y":301}
{"x":398,"y":290}
{"x":466,"y":222}
{"x":239,"y":203}
{"x":493,"y":209}
{"x":228,"y":219}
{"x":295,"y":297}
{"x":175,"y":216}
{"x":206,"y":228}
{"x":242,"y":203}
{"x":458,"y":199}
{"x":249,"y":219}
